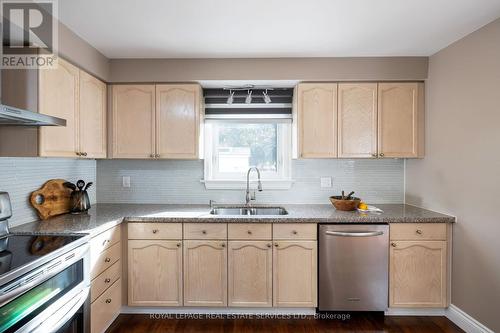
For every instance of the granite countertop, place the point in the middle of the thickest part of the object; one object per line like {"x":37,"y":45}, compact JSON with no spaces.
{"x":103,"y":216}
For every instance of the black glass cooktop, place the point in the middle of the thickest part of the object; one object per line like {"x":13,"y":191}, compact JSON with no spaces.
{"x":19,"y":250}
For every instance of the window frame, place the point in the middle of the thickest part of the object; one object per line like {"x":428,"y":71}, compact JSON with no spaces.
{"x":281,"y":179}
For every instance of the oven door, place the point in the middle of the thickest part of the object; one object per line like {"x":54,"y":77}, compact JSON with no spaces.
{"x":56,"y":300}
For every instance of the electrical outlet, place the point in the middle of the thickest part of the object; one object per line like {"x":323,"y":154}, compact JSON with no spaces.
{"x":126,"y":181}
{"x":326,"y":181}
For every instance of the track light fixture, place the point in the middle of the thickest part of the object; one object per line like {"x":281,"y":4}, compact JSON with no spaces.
{"x":267,"y":99}
{"x":248,"y":99}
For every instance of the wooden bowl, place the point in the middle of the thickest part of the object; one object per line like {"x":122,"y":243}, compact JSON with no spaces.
{"x":345,"y":205}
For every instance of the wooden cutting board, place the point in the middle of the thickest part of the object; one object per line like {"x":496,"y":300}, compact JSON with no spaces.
{"x":52,"y":199}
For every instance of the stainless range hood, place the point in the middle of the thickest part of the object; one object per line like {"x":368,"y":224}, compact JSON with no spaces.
{"x":10,"y":116}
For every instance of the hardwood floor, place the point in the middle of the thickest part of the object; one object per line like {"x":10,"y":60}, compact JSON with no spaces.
{"x":357,"y":323}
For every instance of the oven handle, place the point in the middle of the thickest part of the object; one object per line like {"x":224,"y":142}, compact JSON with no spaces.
{"x":354,"y":233}
{"x":48,"y":325}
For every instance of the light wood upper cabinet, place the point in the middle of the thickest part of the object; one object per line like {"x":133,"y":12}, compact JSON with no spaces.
{"x":295,"y":274}
{"x":400,"y":119}
{"x":58,"y":97}
{"x":417,"y":275}
{"x":317,"y":120}
{"x":154,"y":273}
{"x":133,"y":124}
{"x":357,"y":120}
{"x":177,"y":120}
{"x":250,"y":273}
{"x":205,"y":273}
{"x":92,"y":129}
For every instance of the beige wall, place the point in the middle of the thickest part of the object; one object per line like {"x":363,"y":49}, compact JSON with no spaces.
{"x":305,"y":69}
{"x":460,"y":174}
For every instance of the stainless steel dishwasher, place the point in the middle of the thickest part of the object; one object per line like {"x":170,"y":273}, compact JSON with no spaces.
{"x":353,"y":267}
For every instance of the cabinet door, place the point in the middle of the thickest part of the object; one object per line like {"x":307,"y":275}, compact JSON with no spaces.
{"x":58,"y":96}
{"x":250,"y":273}
{"x":92,"y":116}
{"x":154,"y":273}
{"x":357,"y":109}
{"x":294,"y":274}
{"x":177,"y":120}
{"x":400,"y":119}
{"x":317,"y":118}
{"x":205,"y":273}
{"x":133,"y":121}
{"x":417,"y":274}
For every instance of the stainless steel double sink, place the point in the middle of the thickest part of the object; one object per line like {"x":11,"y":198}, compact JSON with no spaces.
{"x":249,"y":211}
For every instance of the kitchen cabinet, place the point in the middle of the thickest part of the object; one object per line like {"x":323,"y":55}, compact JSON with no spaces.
{"x":92,"y":124}
{"x":205,"y":273}
{"x":317,"y":120}
{"x":106,"y":308}
{"x":133,"y":121}
{"x":357,"y":120}
{"x":65,"y":92}
{"x":156,"y":121}
{"x":401,"y":119}
{"x":154,"y":273}
{"x":250,"y":273}
{"x":295,"y":274}
{"x":178,"y":120}
{"x":58,"y":97}
{"x":418,"y":272}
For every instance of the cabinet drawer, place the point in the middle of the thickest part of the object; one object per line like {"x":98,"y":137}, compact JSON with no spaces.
{"x":102,"y":261}
{"x":105,"y":308}
{"x":155,"y":231}
{"x":104,"y":280}
{"x":249,"y":231}
{"x":294,"y":231}
{"x":205,"y":231}
{"x":104,"y":240}
{"x":418,"y":231}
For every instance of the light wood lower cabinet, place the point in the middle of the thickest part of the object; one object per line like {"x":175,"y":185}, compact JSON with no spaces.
{"x":205,"y":273}
{"x":295,"y":274}
{"x":154,"y":273}
{"x":106,"y":308}
{"x":418,"y":274}
{"x":250,"y":271}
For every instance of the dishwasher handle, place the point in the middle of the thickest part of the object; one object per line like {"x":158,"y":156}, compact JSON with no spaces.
{"x":354,"y":233}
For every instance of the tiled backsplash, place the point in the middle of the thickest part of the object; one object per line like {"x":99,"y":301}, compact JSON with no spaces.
{"x":21,"y":176}
{"x":376,"y":181}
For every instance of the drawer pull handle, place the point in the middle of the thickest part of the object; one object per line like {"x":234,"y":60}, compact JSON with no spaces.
{"x":204,"y":232}
{"x":249,"y":232}
{"x":276,"y":244}
{"x":419,"y":231}
{"x":108,"y":300}
{"x":105,"y":242}
{"x":223,"y":245}
{"x":178,"y":244}
{"x":107,"y":280}
{"x":108,"y":259}
{"x":155,"y":231}
{"x":393,"y":244}
{"x":269,"y":245}
{"x":294,"y":232}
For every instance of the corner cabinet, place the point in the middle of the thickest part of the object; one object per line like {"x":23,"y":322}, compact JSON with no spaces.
{"x":360,"y":120}
{"x":155,"y":121}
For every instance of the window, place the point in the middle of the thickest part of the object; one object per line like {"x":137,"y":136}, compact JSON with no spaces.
{"x":232,"y":147}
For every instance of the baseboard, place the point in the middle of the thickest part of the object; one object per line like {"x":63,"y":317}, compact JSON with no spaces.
{"x":415,"y":312}
{"x":465,"y":321}
{"x":200,"y":310}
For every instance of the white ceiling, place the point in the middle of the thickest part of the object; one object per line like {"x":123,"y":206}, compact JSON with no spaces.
{"x":273,"y":28}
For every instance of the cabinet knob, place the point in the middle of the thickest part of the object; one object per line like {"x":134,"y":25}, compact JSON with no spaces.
{"x":155,"y":231}
{"x":108,"y":259}
{"x":393,"y":244}
{"x":84,"y":154}
{"x":294,"y":232}
{"x":108,"y":300}
{"x":152,"y":155}
{"x":105,"y":242}
{"x":419,"y":231}
{"x":204,"y":232}
{"x":276,"y":245}
{"x":107,"y":280}
{"x":78,"y":153}
{"x":249,"y":232}
{"x":381,"y":154}
{"x":268,"y":245}
{"x":374,"y":155}
{"x":223,"y":245}
{"x":178,"y":244}
{"x":157,"y":155}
